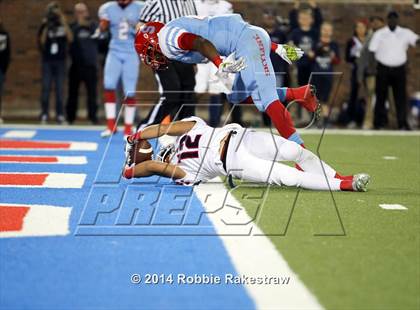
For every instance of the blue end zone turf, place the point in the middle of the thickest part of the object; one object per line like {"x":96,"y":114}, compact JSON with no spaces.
{"x":74,"y":272}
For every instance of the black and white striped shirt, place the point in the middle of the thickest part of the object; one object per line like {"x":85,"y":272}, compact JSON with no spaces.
{"x":166,"y":10}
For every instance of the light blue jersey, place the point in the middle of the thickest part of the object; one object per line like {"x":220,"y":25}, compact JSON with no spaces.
{"x":223,"y":31}
{"x":228,"y":33}
{"x":122,"y":23}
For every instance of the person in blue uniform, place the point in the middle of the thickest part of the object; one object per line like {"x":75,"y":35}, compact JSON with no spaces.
{"x":120,"y":18}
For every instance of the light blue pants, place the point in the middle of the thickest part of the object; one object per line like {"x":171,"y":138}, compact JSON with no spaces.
{"x":123,"y":66}
{"x":258,"y":79}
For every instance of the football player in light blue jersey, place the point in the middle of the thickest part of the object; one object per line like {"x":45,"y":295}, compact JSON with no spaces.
{"x":194,"y":39}
{"x":120,"y":18}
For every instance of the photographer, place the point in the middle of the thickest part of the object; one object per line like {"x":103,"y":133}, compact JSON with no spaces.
{"x":53,"y":38}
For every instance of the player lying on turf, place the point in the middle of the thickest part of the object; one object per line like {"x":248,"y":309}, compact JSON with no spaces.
{"x":202,"y":153}
{"x":247,"y":48}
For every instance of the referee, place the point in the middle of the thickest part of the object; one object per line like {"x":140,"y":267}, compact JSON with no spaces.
{"x":389,"y":45}
{"x":177,"y":82}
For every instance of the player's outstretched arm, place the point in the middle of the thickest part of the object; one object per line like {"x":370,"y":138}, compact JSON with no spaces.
{"x":206,"y":48}
{"x":192,"y":42}
{"x":155,"y":131}
{"x":152,"y":167}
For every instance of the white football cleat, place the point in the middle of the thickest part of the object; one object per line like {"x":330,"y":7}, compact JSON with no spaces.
{"x":360,"y":182}
{"x":107,"y":133}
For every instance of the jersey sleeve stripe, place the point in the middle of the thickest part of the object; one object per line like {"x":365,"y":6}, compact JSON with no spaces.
{"x":173,"y":44}
{"x":163,"y":42}
{"x":176,"y":37}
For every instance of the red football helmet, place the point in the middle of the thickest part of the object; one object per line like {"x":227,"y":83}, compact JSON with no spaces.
{"x":147,"y":46}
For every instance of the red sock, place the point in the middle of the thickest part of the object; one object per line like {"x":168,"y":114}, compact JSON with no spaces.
{"x":343,"y":177}
{"x":109,"y":96}
{"x":128,"y":129}
{"x":281,"y":119}
{"x":346,"y":185}
{"x":110,"y":124}
{"x":297,"y":93}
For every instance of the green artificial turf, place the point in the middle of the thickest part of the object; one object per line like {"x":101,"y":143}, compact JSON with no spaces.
{"x":374,"y":262}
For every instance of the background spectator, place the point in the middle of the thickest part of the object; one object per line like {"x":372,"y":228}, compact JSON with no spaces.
{"x":354,"y":46}
{"x":53,"y":37}
{"x":304,"y":37}
{"x":277,"y":36}
{"x":390,"y":45}
{"x":84,"y":58}
{"x":4,"y":60}
{"x":366,"y":71}
{"x":310,"y":5}
{"x":327,"y":54}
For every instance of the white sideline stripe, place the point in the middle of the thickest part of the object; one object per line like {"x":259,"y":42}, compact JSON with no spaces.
{"x":41,"y":220}
{"x":392,"y":206}
{"x":253,"y":255}
{"x":54,"y":180}
{"x":67,"y":160}
{"x":26,"y":134}
{"x":389,"y":157}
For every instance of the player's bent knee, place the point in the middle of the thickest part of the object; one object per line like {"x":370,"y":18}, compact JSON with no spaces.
{"x":289,"y":180}
{"x":290,"y":151}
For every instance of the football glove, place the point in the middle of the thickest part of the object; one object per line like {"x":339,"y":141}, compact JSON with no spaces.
{"x":232,"y":65}
{"x":289,"y":53}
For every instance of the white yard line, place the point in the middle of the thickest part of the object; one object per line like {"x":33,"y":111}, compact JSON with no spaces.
{"x":253,"y":255}
{"x":389,"y":157}
{"x":392,"y":206}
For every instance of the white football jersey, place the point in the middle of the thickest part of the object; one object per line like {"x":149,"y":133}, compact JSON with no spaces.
{"x":197,"y":152}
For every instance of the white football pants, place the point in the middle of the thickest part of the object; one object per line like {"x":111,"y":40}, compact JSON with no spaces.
{"x":254,"y":156}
